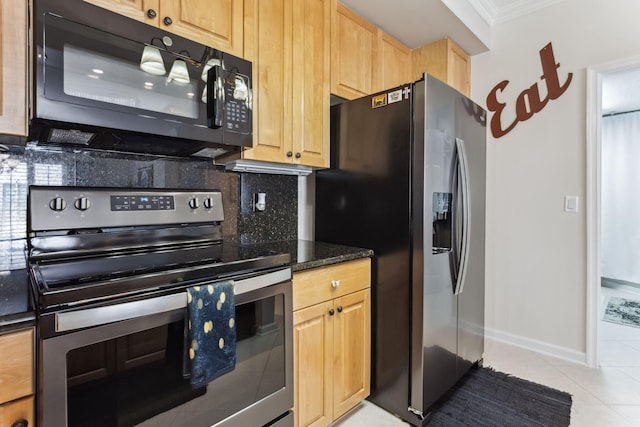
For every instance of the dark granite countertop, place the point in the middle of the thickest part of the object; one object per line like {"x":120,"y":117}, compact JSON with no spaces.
{"x":16,"y":306}
{"x":306,"y":254}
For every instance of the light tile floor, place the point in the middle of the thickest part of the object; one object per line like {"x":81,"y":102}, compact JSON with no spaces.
{"x":604,"y":397}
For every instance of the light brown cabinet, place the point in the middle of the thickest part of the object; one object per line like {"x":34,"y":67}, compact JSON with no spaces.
{"x":13,"y":78}
{"x":392,"y":63}
{"x":353,"y":40}
{"x":16,"y":377}
{"x":446,"y":61}
{"x":332,"y":340}
{"x":215,"y":23}
{"x":288,"y":43}
{"x":364,"y":58}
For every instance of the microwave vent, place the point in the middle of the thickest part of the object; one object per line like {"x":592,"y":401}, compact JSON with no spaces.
{"x":70,"y":136}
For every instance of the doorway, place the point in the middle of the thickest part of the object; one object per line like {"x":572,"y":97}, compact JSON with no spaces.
{"x":596,"y":294}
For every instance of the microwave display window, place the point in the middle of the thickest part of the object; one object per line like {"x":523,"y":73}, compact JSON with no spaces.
{"x":109,"y":79}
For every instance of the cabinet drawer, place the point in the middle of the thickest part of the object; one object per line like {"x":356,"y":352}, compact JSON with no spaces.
{"x":22,"y":409}
{"x":316,"y":285}
{"x":16,"y":365}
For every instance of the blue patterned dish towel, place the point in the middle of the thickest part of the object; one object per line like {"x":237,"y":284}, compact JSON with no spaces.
{"x":210,"y":332}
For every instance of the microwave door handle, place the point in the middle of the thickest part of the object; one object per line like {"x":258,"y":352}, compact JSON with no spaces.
{"x":215,"y":98}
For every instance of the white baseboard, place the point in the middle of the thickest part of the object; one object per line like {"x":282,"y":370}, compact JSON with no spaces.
{"x":537,"y":346}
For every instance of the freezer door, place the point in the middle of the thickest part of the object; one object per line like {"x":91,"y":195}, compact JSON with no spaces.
{"x":448,"y":245}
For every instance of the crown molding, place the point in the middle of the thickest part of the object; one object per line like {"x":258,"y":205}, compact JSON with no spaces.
{"x":495,"y":14}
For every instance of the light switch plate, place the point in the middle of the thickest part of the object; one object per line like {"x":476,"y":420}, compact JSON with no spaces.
{"x":571,"y":204}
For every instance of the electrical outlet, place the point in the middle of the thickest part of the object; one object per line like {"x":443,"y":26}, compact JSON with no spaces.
{"x":259,"y":202}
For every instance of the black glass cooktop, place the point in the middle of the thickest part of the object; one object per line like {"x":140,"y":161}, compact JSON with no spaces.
{"x":70,"y":281}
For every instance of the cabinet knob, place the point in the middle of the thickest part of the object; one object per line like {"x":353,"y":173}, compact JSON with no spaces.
{"x":331,"y":312}
{"x":339,"y":309}
{"x":167,"y":20}
{"x":298,"y":155}
{"x":151,"y":13}
{"x":20,"y":423}
{"x":289,"y":154}
{"x":335,"y":284}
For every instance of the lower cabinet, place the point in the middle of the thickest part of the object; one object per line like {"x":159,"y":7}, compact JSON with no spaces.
{"x":16,"y":379}
{"x":332,"y":341}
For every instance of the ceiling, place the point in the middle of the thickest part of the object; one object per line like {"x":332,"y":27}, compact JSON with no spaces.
{"x":467,"y":22}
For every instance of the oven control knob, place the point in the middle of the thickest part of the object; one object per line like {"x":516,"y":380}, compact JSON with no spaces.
{"x":208,"y":203}
{"x":82,"y":204}
{"x":194,"y":203}
{"x":58,"y":204}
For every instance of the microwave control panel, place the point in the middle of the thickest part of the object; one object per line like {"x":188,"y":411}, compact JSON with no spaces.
{"x":237,"y":102}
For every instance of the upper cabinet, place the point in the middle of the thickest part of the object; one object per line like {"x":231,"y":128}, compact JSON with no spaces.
{"x":364,"y":58}
{"x":392,"y":64}
{"x":13,"y":92}
{"x":353,"y":40}
{"x":446,"y":61}
{"x":288,"y":43}
{"x":215,"y":23}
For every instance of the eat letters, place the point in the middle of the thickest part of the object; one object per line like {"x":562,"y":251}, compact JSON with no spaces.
{"x":528,"y":102}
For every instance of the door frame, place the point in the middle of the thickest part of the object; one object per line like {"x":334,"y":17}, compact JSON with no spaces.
{"x":595,"y":75}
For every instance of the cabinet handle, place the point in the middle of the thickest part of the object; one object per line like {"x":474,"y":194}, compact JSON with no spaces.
{"x":335,"y":284}
{"x":20,"y":423}
{"x":151,"y":13}
{"x":339,"y":309}
{"x":298,"y":155}
{"x":167,"y":20}
{"x":289,"y":154}
{"x":331,"y":312}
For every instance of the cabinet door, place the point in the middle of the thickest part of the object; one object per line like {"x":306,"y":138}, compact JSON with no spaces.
{"x":392,"y":63}
{"x":146,"y":11}
{"x":352,"y":43}
{"x":268,"y":46}
{"x":311,"y":76}
{"x":16,"y":365}
{"x":313,"y":365}
{"x":13,"y":89}
{"x":352,"y":347}
{"x":458,"y":68}
{"x":22,"y":409}
{"x":215,"y":23}
{"x":444,"y":60}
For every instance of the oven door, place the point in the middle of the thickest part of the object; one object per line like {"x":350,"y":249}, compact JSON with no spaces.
{"x":129,"y":372}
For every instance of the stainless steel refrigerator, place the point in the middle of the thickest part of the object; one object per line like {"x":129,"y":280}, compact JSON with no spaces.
{"x":407,"y":179}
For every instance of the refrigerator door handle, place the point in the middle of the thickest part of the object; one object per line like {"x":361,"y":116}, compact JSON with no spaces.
{"x":464,"y":189}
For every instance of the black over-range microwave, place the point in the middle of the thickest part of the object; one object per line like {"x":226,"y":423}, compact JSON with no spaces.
{"x":105,"y":81}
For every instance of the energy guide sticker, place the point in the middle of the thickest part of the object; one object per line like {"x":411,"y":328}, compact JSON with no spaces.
{"x":395,"y":96}
{"x":379,"y":101}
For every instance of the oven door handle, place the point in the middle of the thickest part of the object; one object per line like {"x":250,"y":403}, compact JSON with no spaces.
{"x":72,"y":320}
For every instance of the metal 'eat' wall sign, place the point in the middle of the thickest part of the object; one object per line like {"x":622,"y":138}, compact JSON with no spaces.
{"x":528,"y":102}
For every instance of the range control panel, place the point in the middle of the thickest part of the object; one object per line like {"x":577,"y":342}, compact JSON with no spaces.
{"x":73,"y":208}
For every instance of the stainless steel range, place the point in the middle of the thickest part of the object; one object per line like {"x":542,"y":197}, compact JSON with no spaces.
{"x":109,"y":269}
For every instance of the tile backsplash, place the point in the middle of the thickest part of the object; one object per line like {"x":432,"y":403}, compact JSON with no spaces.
{"x":34,"y":165}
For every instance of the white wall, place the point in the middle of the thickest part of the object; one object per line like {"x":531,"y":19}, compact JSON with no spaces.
{"x":536,"y":252}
